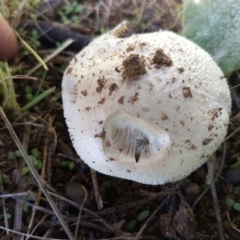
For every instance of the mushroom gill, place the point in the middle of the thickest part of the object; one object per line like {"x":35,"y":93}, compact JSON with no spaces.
{"x":133,"y":140}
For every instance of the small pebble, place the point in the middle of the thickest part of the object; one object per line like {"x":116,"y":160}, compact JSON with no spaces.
{"x":75,"y":192}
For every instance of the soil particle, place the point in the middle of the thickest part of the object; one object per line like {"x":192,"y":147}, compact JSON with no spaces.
{"x":164,"y":117}
{"x":134,"y":98}
{"x":101,"y":135}
{"x":101,"y":84}
{"x":187,"y":92}
{"x":121,"y":100}
{"x":133,"y":66}
{"x":69,"y":70}
{"x":112,"y":88}
{"x":87,"y":108}
{"x":206,"y":141}
{"x":130,"y":48}
{"x":102,"y":101}
{"x":84,"y":93}
{"x":161,"y":59}
{"x":181,"y":70}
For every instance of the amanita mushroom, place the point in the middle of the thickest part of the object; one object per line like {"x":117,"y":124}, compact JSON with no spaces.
{"x":150,"y":108}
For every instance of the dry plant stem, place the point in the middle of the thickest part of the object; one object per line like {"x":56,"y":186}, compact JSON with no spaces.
{"x":49,"y":57}
{"x":145,"y":224}
{"x":30,"y":49}
{"x":219,"y":171}
{"x":19,"y":77}
{"x":49,"y":232}
{"x":92,"y":214}
{"x":223,"y":160}
{"x":232,"y":134}
{"x":39,"y":192}
{"x":215,"y":199}
{"x":232,"y":225}
{"x":24,"y":235}
{"x":108,"y":228}
{"x":217,"y":210}
{"x":16,"y":197}
{"x":18,"y":16}
{"x":36,"y":175}
{"x":3,"y":205}
{"x":97,"y":194}
{"x":21,"y":184}
{"x":80,"y":212}
{"x":126,"y":206}
{"x":140,"y":14}
{"x":36,"y":226}
{"x":36,"y":125}
{"x":200,"y":197}
{"x":51,"y":148}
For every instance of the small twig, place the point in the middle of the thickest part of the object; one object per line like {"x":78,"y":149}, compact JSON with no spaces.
{"x":232,"y":134}
{"x":223,"y":160}
{"x":49,"y":231}
{"x":97,"y":194}
{"x":26,"y":235}
{"x":41,"y":62}
{"x":93,"y":214}
{"x":232,"y":225}
{"x":19,"y":77}
{"x":3,"y":206}
{"x":13,"y":195}
{"x":200,"y":197}
{"x":126,"y":206}
{"x":35,"y":174}
{"x":37,"y":201}
{"x":215,"y":199}
{"x":51,"y":56}
{"x":37,"y":225}
{"x":109,"y":227}
{"x":80,"y":211}
{"x":217,"y":175}
{"x":145,"y":224}
{"x":21,"y":183}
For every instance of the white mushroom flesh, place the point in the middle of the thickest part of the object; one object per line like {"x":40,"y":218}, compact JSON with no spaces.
{"x":126,"y":98}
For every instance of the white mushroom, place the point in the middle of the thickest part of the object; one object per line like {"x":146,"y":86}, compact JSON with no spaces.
{"x":150,"y":108}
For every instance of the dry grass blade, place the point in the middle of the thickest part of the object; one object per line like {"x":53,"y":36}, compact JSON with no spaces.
{"x":32,"y":51}
{"x":3,"y":206}
{"x":211,"y":182}
{"x":145,"y":224}
{"x":26,"y":235}
{"x":19,"y":77}
{"x":37,"y":201}
{"x":232,"y":134}
{"x":80,"y":211}
{"x":232,"y":225}
{"x":217,"y":175}
{"x":48,"y":58}
{"x":97,"y":194}
{"x":35,"y":174}
{"x":18,"y":212}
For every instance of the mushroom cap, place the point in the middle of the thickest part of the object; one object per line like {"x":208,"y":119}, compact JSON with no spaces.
{"x":150,"y":107}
